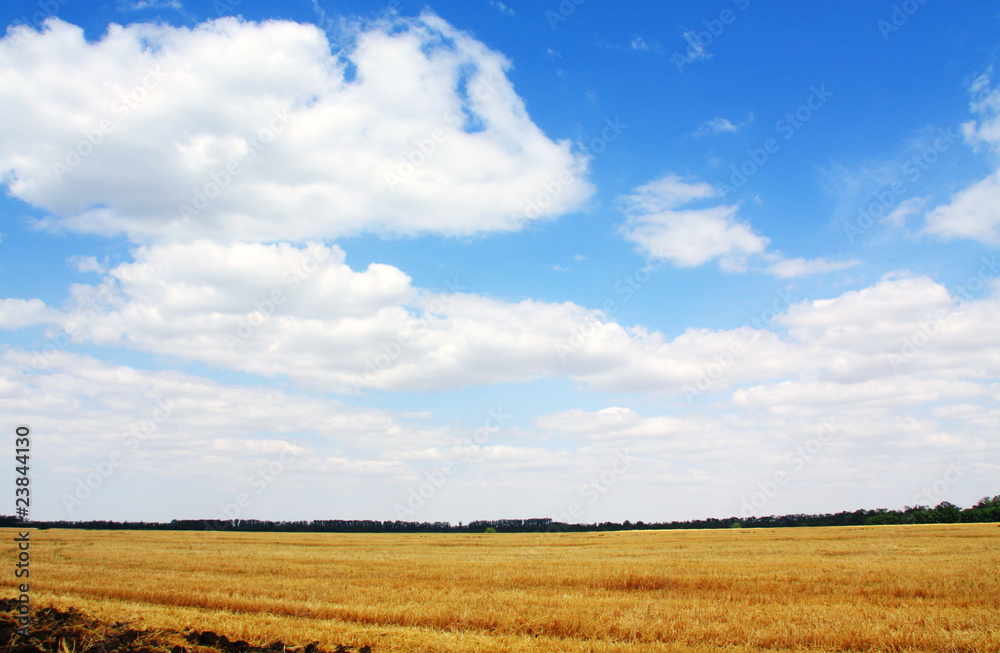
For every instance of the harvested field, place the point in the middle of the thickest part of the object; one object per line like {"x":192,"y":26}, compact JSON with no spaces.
{"x":70,"y":630}
{"x":887,"y":588}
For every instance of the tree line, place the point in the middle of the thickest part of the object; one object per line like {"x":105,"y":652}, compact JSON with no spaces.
{"x":986,"y":510}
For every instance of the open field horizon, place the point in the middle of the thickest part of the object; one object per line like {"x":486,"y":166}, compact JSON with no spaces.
{"x":880,"y":588}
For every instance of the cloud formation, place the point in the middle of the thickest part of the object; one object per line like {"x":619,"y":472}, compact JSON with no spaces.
{"x":717,"y":126}
{"x":301,"y":313}
{"x":974,"y":212}
{"x":695,"y":236}
{"x":235,"y":130}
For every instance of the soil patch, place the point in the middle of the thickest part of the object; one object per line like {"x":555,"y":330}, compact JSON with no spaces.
{"x":71,"y":631}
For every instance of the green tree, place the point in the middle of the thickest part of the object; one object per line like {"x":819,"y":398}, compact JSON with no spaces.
{"x":947,"y":512}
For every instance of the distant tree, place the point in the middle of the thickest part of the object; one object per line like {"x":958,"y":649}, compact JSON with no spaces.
{"x":987,"y":502}
{"x":918,"y":515}
{"x":883,"y":517}
{"x":947,"y":512}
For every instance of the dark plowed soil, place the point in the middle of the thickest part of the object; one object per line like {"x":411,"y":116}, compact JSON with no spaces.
{"x":56,"y":631}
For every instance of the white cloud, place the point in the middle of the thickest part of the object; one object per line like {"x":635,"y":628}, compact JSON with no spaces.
{"x":819,"y":434}
{"x":974,"y":212}
{"x":578,"y":422}
{"x":639,"y":43}
{"x":140,"y":5}
{"x":17,"y":313}
{"x":303,"y":314}
{"x":667,"y":192}
{"x":986,"y":104}
{"x":717,"y":126}
{"x":766,"y":385}
{"x":501,"y":7}
{"x":86,"y":264}
{"x":170,"y":429}
{"x":869,"y":320}
{"x":696,"y":50}
{"x":696,"y":236}
{"x":798,"y":267}
{"x":692,"y":237}
{"x":897,"y":219}
{"x":422,"y":133}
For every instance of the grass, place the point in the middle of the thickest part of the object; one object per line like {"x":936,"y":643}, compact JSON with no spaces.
{"x":883,"y":588}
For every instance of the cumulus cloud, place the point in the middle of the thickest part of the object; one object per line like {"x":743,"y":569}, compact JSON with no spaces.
{"x":692,"y":237}
{"x":717,"y":126}
{"x":17,"y":313}
{"x":695,"y":236}
{"x":578,"y":421}
{"x":302,"y":313}
{"x":687,"y":237}
{"x":798,"y":267}
{"x":905,"y":343}
{"x":161,"y":429}
{"x":235,"y":130}
{"x":224,"y":436}
{"x":86,"y":264}
{"x":974,"y":212}
{"x":833,"y":442}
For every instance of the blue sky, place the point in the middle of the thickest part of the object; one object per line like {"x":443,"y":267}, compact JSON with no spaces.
{"x":327,"y":240}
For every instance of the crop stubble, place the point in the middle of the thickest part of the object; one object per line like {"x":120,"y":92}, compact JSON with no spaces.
{"x":886,"y":588}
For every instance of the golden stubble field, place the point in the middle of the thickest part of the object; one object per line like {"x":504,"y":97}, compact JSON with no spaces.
{"x":880,"y":588}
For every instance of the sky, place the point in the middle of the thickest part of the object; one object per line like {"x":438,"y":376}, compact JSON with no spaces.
{"x":479,"y":259}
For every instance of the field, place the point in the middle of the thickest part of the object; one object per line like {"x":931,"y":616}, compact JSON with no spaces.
{"x":880,"y":588}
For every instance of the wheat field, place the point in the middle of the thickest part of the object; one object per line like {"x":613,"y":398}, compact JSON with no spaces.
{"x":879,"y":588}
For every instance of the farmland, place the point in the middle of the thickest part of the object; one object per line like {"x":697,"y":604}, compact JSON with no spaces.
{"x":882,"y":588}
